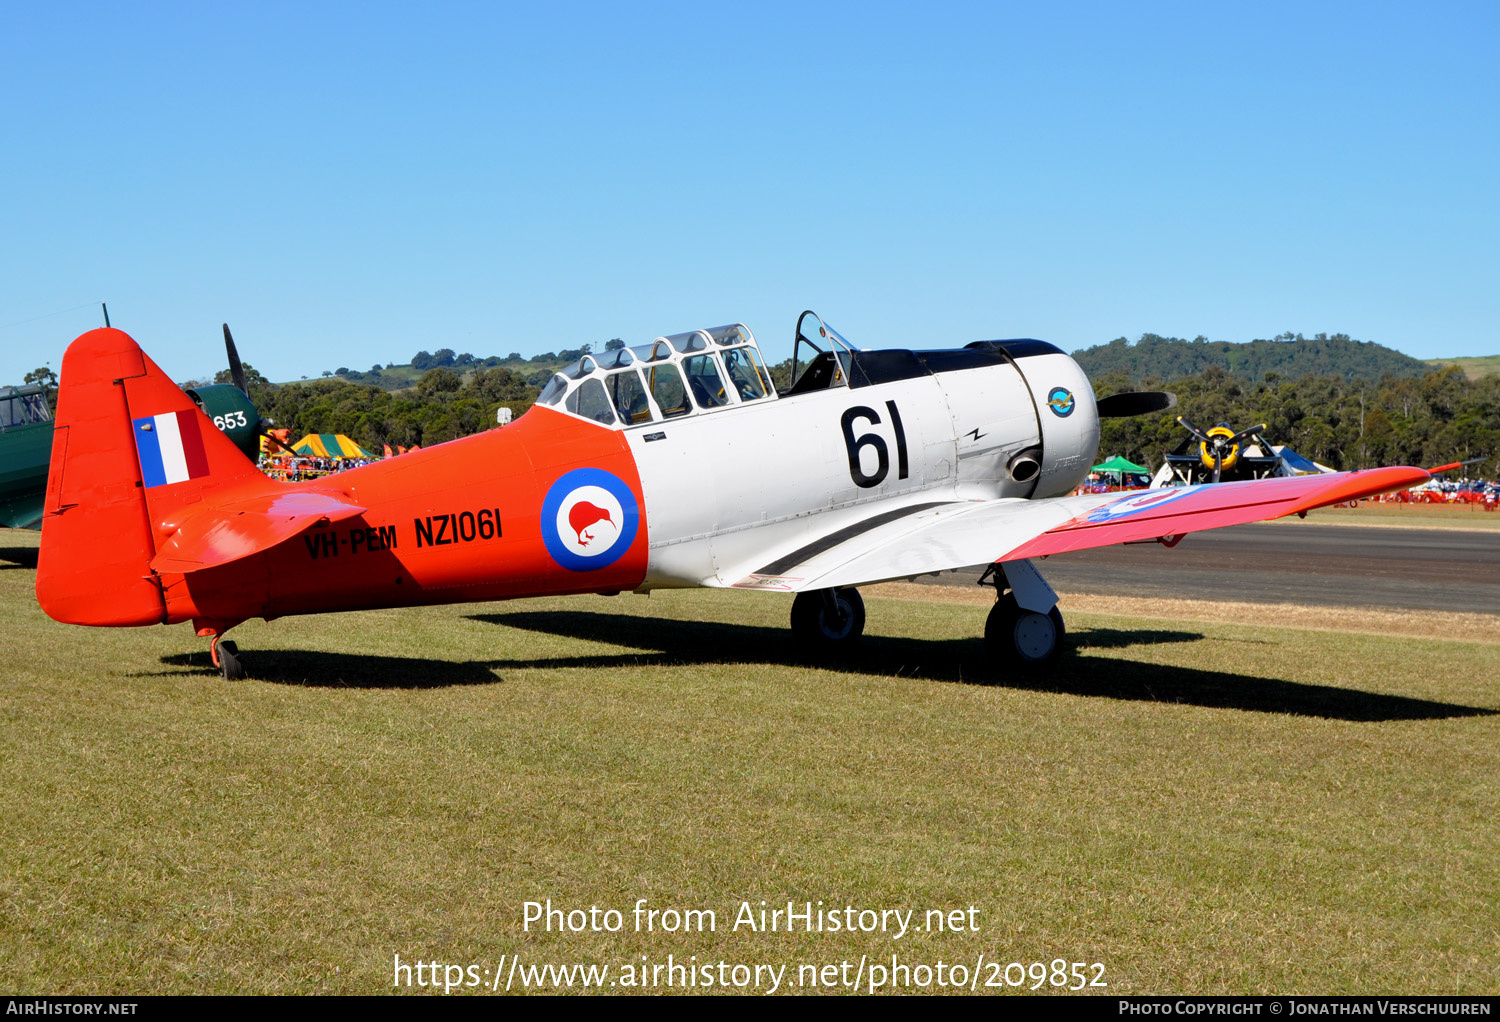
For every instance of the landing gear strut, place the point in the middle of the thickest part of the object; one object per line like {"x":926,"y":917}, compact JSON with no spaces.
{"x":1024,"y":627}
{"x":825,"y":618}
{"x":226,"y":657}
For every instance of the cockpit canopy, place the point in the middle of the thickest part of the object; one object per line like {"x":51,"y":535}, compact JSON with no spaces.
{"x":678,"y":375}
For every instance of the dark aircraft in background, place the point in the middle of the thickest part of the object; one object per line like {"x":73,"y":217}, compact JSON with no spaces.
{"x":25,"y":452}
{"x":1223,"y":455}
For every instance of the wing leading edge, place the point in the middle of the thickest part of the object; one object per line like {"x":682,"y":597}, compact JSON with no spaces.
{"x":932,"y":538}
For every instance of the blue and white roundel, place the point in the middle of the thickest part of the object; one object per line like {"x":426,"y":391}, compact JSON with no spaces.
{"x":1134,"y":504}
{"x":589,"y":519}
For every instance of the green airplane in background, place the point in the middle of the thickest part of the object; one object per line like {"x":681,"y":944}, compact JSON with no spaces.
{"x":26,"y":437}
{"x":25,"y":451}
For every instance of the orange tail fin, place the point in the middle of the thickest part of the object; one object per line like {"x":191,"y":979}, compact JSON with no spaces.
{"x":130,"y":454}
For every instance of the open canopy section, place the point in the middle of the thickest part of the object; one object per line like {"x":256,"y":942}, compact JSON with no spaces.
{"x":675,"y":375}
{"x":820,"y":355}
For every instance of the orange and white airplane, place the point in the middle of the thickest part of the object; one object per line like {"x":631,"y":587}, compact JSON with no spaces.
{"x":673,"y":464}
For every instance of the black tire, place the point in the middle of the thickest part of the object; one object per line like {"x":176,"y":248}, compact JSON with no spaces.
{"x":1015,"y":635}
{"x":230,"y":667}
{"x":814,"y":626}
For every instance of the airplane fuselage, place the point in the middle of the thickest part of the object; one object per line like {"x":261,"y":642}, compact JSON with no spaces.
{"x":557,"y":503}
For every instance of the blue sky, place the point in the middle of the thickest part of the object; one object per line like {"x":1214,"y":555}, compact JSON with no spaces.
{"x":348,"y":183}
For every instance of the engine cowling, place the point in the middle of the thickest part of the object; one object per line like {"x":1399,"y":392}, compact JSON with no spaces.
{"x":1068,"y":418}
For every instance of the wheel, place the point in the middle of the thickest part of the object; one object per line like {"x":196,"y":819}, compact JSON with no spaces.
{"x":1015,"y":634}
{"x":229,"y":662}
{"x":826,"y":617}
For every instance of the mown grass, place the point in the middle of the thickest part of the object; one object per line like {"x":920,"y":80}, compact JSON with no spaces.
{"x":1202,"y":806}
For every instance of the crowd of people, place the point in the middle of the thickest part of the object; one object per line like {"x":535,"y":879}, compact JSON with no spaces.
{"x":1480,"y":492}
{"x":290,"y":469}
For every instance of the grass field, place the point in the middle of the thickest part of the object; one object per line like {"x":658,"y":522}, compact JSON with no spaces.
{"x":1202,"y":806}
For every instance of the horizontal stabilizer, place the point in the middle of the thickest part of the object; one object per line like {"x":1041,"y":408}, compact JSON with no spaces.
{"x":227,"y":532}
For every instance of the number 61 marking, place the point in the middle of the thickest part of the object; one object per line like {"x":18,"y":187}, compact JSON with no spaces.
{"x":872,"y":439}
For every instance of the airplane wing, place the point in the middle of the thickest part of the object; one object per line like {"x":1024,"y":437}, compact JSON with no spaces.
{"x":227,"y":532}
{"x":926,"y":538}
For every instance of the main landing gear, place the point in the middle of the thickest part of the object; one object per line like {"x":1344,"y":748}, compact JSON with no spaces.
{"x":825,"y":618}
{"x":1024,"y":627}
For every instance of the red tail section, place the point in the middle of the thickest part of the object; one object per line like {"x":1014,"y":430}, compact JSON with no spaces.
{"x":131,"y":455}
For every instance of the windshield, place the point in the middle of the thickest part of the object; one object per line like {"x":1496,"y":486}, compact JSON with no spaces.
{"x":820,"y":356}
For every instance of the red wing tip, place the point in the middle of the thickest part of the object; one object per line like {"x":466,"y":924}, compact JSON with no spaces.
{"x":1367,"y":482}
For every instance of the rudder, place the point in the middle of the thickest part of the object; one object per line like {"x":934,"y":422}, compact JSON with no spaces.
{"x":130,"y":452}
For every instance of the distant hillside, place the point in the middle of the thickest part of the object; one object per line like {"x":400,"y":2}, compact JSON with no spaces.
{"x":536,"y":370}
{"x":1290,"y":356}
{"x":1474,"y":366}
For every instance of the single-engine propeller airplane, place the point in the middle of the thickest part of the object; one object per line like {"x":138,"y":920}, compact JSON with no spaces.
{"x":1223,"y":455}
{"x":672,"y":464}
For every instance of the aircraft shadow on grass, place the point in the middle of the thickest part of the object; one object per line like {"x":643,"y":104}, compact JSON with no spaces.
{"x":316,"y":669}
{"x":964,"y":660}
{"x":18,"y":557}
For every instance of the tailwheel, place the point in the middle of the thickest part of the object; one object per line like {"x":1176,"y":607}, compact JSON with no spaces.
{"x":226,"y":657}
{"x":828,"y":617}
{"x":1015,"y":634}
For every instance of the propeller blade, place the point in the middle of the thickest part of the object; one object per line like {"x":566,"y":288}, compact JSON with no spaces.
{"x":1141,"y":402}
{"x":1193,"y":430}
{"x":236,"y":370}
{"x":1244,"y":433}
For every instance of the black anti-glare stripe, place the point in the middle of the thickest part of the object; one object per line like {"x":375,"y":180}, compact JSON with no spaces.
{"x":833,"y":539}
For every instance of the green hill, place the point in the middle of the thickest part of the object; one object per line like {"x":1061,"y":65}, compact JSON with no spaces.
{"x":1474,"y":367}
{"x":1289,"y":356}
{"x":536,"y":370}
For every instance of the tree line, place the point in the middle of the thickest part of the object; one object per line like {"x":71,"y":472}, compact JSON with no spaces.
{"x":442,"y":406}
{"x":1428,"y":420}
{"x":1287,"y":355}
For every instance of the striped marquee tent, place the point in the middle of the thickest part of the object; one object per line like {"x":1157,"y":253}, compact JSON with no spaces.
{"x":330,"y":445}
